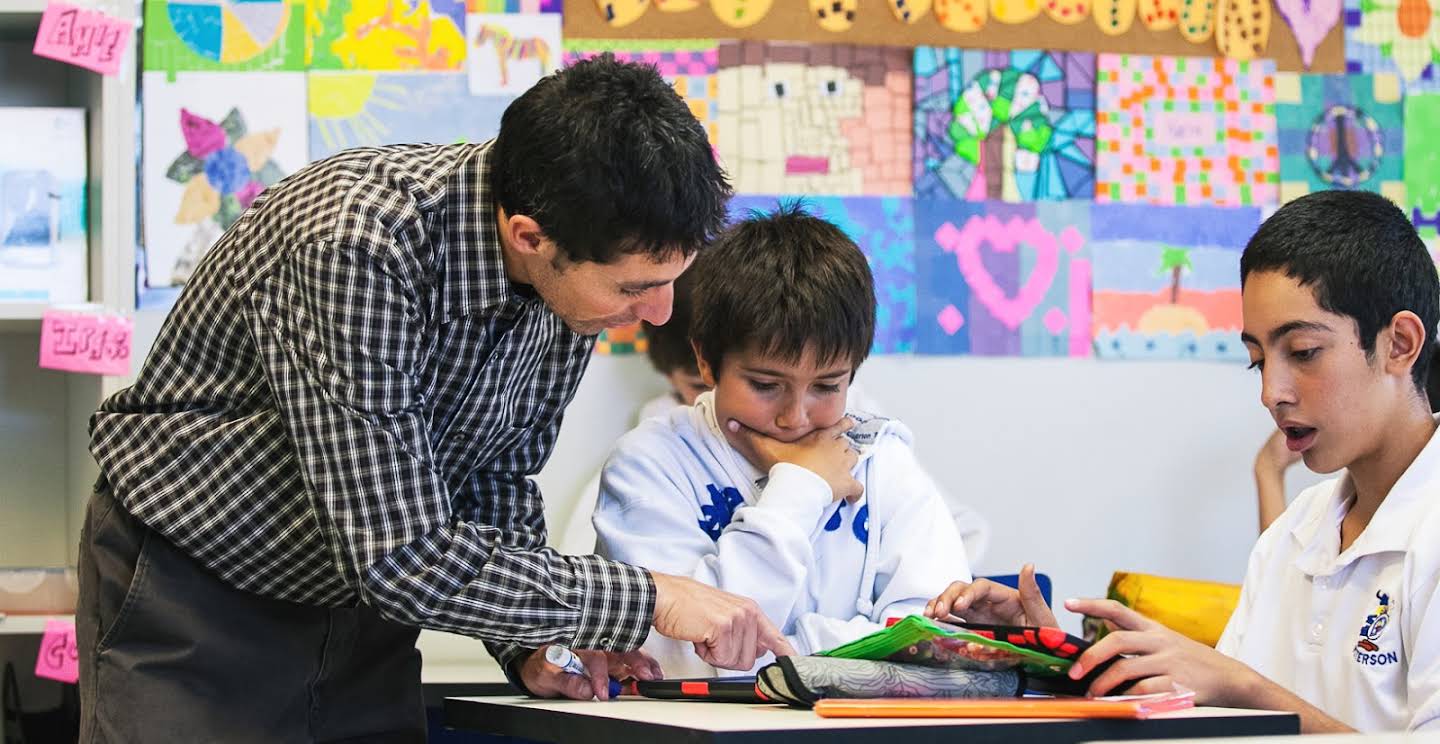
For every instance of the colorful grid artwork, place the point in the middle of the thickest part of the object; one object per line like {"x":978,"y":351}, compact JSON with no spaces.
{"x":689,"y":65}
{"x":1003,"y":279}
{"x":1167,"y":280}
{"x":1013,"y":126}
{"x":621,"y":341}
{"x":1422,"y":163}
{"x":1184,"y":130}
{"x":1395,"y":36}
{"x":1340,"y":132}
{"x":884,"y":229}
{"x":815,"y":118}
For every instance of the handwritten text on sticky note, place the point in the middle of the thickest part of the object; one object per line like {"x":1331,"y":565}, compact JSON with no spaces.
{"x":83,"y":37}
{"x":85,"y":342}
{"x":59,"y":659}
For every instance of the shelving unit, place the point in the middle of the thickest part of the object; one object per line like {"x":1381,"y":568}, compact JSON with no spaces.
{"x":45,"y":467}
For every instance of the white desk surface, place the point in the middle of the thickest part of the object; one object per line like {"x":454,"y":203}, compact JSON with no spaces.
{"x":680,"y":720}
{"x":1387,"y":738}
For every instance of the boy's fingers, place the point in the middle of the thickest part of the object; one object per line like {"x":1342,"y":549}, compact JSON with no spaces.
{"x":1123,"y":642}
{"x":1111,"y":611}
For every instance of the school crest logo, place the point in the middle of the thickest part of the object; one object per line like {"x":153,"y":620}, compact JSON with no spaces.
{"x":1375,"y":624}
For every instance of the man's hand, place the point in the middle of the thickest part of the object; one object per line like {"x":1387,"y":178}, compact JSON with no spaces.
{"x":728,"y":631}
{"x":1159,"y":658}
{"x":824,"y":452}
{"x":546,"y":680}
{"x":986,"y":602}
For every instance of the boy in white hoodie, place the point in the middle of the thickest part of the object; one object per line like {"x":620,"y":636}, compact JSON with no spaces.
{"x":767,"y":487}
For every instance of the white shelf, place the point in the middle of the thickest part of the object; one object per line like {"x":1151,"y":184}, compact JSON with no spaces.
{"x":29,"y":624}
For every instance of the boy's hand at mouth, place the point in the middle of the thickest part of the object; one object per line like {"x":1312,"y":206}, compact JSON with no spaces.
{"x":824,"y":452}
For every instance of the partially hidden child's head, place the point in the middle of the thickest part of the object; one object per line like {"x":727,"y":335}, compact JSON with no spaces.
{"x":1341,"y":301}
{"x":607,"y":186}
{"x":784,"y":315}
{"x":668,"y":345}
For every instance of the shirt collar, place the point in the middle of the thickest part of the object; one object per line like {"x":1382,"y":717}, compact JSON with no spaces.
{"x":1389,"y":530}
{"x":474,"y":267}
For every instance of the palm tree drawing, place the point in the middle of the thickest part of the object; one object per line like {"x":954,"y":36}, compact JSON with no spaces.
{"x":1176,"y":261}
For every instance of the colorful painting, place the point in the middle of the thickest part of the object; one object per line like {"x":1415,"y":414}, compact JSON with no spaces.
{"x":1422,"y":163}
{"x":1340,"y":132}
{"x":1184,"y":130}
{"x":814,"y":118}
{"x":514,"y":6}
{"x":1001,"y":279}
{"x":366,"y":109}
{"x":43,"y":237}
{"x":1014,"y":126}
{"x":229,"y":35}
{"x":622,"y":341}
{"x":509,"y":52}
{"x":385,"y":35}
{"x":1167,"y":280}
{"x":212,"y":142}
{"x":1394,"y":36}
{"x":689,"y":65}
{"x":884,"y":228}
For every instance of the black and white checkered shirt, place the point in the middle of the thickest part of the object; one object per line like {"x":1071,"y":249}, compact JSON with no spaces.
{"x":346,"y":400}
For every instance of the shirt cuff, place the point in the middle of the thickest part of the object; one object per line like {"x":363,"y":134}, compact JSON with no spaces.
{"x":617,"y":604}
{"x":510,"y":658}
{"x":798,"y":493}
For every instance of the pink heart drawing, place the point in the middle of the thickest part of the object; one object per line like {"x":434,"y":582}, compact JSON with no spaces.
{"x":965,"y":244}
{"x":1311,"y":20}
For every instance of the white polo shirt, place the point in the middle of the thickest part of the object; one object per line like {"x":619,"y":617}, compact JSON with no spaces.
{"x":1356,"y":634}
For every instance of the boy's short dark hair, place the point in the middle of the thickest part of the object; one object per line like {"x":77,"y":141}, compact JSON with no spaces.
{"x":781,"y":283}
{"x":1360,"y":256}
{"x":668,"y":346}
{"x":609,"y":160}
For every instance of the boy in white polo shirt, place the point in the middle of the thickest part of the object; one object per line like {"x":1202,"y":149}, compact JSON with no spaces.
{"x":1339,"y":617}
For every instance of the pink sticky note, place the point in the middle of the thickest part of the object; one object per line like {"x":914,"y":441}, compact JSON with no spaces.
{"x":83,"y":37}
{"x":59,"y":659}
{"x":94,"y":343}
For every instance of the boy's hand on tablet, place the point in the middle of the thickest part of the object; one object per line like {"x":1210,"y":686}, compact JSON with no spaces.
{"x":729,"y":631}
{"x":1158,"y":657}
{"x":824,"y":452}
{"x":985,"y":601}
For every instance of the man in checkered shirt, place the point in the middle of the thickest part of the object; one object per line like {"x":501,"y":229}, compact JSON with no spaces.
{"x":328,"y":446}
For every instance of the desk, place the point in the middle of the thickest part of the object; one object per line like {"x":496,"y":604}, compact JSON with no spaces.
{"x":630,"y":720}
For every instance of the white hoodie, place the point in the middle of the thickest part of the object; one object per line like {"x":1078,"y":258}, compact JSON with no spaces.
{"x":675,"y":497}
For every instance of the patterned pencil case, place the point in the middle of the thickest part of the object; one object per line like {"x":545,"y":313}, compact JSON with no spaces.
{"x":802,"y":680}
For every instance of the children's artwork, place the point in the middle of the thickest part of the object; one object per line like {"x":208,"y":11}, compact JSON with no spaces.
{"x":1167,"y":280}
{"x":1183,"y":130}
{"x":509,"y":52}
{"x":814,"y":118}
{"x":232,"y":35}
{"x":1001,"y":279}
{"x":884,"y":228}
{"x":1340,"y":132}
{"x":212,"y":143}
{"x":366,"y":109}
{"x":385,"y":34}
{"x":688,"y":64}
{"x":1422,"y":163}
{"x":622,"y":341}
{"x":43,"y":238}
{"x":514,"y":6}
{"x":1397,"y":36}
{"x":1310,"y":21}
{"x":1012,"y":126}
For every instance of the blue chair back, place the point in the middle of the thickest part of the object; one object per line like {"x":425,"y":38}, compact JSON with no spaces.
{"x":1013,"y":581}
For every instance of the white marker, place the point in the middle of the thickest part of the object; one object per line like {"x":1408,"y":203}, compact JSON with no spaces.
{"x":565,"y":659}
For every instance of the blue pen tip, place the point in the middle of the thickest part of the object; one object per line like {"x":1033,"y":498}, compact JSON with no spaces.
{"x":615,"y":689}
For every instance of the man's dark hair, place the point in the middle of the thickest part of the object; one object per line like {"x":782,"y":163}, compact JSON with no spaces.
{"x":668,"y":346}
{"x":1361,"y":257}
{"x":781,"y":283}
{"x":608,"y":159}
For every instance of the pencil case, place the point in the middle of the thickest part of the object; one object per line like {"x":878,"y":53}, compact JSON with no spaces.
{"x":803,"y":680}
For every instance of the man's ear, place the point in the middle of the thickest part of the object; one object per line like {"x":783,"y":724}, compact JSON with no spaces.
{"x":524,"y":234}
{"x":1408,"y":340}
{"x":707,"y":373}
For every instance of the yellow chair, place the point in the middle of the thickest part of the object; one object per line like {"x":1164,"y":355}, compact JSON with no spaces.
{"x":1195,"y":609}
